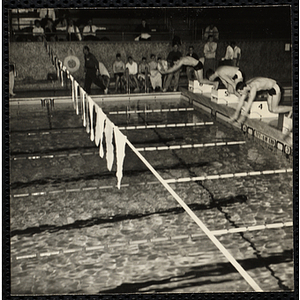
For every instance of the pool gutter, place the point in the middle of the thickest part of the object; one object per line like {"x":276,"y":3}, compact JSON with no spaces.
{"x":256,"y":128}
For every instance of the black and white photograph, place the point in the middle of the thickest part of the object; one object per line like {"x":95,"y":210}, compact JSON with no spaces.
{"x":150,"y":150}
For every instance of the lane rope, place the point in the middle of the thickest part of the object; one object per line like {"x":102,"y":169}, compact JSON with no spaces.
{"x":120,"y":127}
{"x":124,"y":112}
{"x":230,"y":175}
{"x":155,"y":240}
{"x":176,"y":147}
{"x":157,"y":148}
{"x":134,"y":127}
{"x":61,"y":131}
{"x":178,"y":180}
{"x":224,"y":251}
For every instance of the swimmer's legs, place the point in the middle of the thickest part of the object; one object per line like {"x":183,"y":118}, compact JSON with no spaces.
{"x":274,"y":107}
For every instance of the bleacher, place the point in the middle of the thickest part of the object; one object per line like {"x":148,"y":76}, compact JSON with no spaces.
{"x":120,"y":29}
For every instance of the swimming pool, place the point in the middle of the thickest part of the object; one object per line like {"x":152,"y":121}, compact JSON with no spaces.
{"x":73,"y":231}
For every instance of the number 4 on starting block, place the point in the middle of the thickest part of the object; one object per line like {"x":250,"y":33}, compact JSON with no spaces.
{"x":260,"y":110}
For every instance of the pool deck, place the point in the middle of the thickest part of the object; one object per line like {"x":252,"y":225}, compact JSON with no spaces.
{"x":254,"y":127}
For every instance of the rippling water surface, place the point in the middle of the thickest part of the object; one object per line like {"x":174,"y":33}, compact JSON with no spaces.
{"x":144,"y":242}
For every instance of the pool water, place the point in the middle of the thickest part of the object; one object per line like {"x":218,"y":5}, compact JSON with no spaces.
{"x":138,"y":239}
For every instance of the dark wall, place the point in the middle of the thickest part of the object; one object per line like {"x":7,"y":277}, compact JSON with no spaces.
{"x":259,"y":58}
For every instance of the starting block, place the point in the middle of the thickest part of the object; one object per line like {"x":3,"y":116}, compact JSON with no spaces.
{"x":287,"y":127}
{"x":197,"y":88}
{"x":221,"y":96}
{"x":259,"y":110}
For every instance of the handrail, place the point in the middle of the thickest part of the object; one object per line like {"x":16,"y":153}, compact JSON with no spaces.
{"x":120,"y":35}
{"x":127,"y":81}
{"x":146,"y":80}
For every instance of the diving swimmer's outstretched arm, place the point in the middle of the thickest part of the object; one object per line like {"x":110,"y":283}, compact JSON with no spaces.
{"x":172,"y":69}
{"x":201,"y":80}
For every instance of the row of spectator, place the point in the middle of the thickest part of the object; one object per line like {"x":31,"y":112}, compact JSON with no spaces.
{"x":144,"y":76}
{"x":66,"y":30}
{"x":147,"y":74}
{"x":63,"y":28}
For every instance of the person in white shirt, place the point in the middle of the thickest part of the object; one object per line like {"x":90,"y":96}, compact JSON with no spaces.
{"x":73,"y":32}
{"x":38,"y":31}
{"x":228,"y":59}
{"x":236,"y":54}
{"x":132,"y":69}
{"x":210,"y":49}
{"x":89,"y":31}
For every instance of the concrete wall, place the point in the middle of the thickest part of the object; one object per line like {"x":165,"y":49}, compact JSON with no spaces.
{"x":259,"y":58}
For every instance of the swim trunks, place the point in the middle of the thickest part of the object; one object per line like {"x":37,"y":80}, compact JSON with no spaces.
{"x":238,"y":75}
{"x":275,"y":90}
{"x":198,"y":66}
{"x":119,"y":74}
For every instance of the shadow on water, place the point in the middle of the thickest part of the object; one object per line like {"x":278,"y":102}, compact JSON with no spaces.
{"x":97,"y":176}
{"x":197,"y":276}
{"x":118,"y":218}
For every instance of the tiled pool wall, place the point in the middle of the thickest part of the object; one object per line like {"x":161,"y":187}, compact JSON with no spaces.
{"x":257,"y":129}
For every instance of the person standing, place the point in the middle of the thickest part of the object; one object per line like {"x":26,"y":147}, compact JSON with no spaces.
{"x":228,"y":59}
{"x":173,"y":56}
{"x":190,"y":70}
{"x":118,"y":69}
{"x":91,"y":71}
{"x":236,"y":54}
{"x":210,"y":49}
